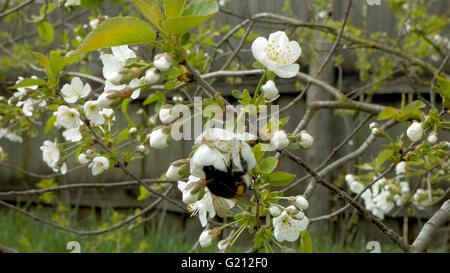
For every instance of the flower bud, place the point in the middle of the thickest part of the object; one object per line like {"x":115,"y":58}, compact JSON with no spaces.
{"x":224,"y":244}
{"x":374,"y":125}
{"x":269,"y":90}
{"x":116,"y":78}
{"x":104,"y":99}
{"x":135,"y":71}
{"x":160,"y":138}
{"x":178,"y":170}
{"x":166,"y":115}
{"x":177,"y":98}
{"x":206,"y":238}
{"x":279,"y":140}
{"x":304,"y":139}
{"x":275,"y":211}
{"x":377,"y":132}
{"x":432,"y":138}
{"x":83,"y":159}
{"x":301,"y":203}
{"x":292,"y":210}
{"x":152,"y":75}
{"x":400,"y":169}
{"x":299,"y":216}
{"x":132,"y":132}
{"x":163,"y":62}
{"x":140,"y":148}
{"x":415,"y":131}
{"x":187,"y":77}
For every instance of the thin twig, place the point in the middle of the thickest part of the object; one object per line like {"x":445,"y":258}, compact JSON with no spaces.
{"x":343,"y":195}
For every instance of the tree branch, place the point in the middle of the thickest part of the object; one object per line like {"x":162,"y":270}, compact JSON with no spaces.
{"x":343,"y":195}
{"x":440,"y":217}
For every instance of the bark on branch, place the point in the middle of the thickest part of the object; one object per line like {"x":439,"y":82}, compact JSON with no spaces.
{"x":439,"y":218}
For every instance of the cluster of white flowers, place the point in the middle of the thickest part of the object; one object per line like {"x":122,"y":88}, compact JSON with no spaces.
{"x":289,"y":222}
{"x":10,"y":135}
{"x":280,"y":140}
{"x":21,"y":98}
{"x":117,"y":76}
{"x":69,"y":3}
{"x":442,"y":41}
{"x":384,"y":194}
{"x":51,"y":156}
{"x":219,"y":148}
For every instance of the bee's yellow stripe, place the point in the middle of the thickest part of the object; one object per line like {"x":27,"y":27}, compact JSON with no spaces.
{"x":240,"y":190}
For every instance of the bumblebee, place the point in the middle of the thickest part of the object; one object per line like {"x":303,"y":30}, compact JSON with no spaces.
{"x":231,"y":184}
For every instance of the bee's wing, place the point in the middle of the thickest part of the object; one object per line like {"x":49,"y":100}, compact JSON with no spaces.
{"x":244,"y":201}
{"x":221,"y":205}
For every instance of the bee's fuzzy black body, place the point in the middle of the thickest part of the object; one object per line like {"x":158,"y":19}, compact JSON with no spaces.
{"x":231,"y":184}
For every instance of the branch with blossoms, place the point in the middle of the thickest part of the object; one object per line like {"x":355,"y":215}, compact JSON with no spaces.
{"x":231,"y":171}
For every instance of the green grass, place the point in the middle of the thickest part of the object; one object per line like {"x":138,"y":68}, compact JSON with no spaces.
{"x":26,"y":235}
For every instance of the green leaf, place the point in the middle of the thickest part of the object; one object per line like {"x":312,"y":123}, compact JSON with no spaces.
{"x":383,"y":156}
{"x":258,"y":65}
{"x":46,"y":31}
{"x":201,"y":8}
{"x":90,"y":4}
{"x":237,"y":94}
{"x":387,"y":113}
{"x":417,"y":104}
{"x":151,"y":10}
{"x":365,"y":166}
{"x":193,"y":15}
{"x":28,"y":82}
{"x":47,"y":9}
{"x":122,"y":136}
{"x":305,"y":242}
{"x":124,"y":108}
{"x":173,"y":8}
{"x":50,"y":123}
{"x":171,"y":84}
{"x":280,"y":178}
{"x":157,"y":96}
{"x":57,"y":62}
{"x":268,"y":164}
{"x":116,"y":32}
{"x":444,"y":90}
{"x":43,"y":60}
{"x":258,"y":152}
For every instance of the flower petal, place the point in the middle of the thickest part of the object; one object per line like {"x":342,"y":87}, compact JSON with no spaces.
{"x":287,"y":71}
{"x":278,"y":38}
{"x":258,"y":46}
{"x":294,"y":51}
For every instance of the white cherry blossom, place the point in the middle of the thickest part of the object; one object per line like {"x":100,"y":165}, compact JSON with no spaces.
{"x":67,"y":117}
{"x":92,"y":110}
{"x":278,"y":54}
{"x":75,"y":90}
{"x":287,"y":228}
{"x":50,"y":153}
{"x":72,"y":134}
{"x":98,"y":165}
